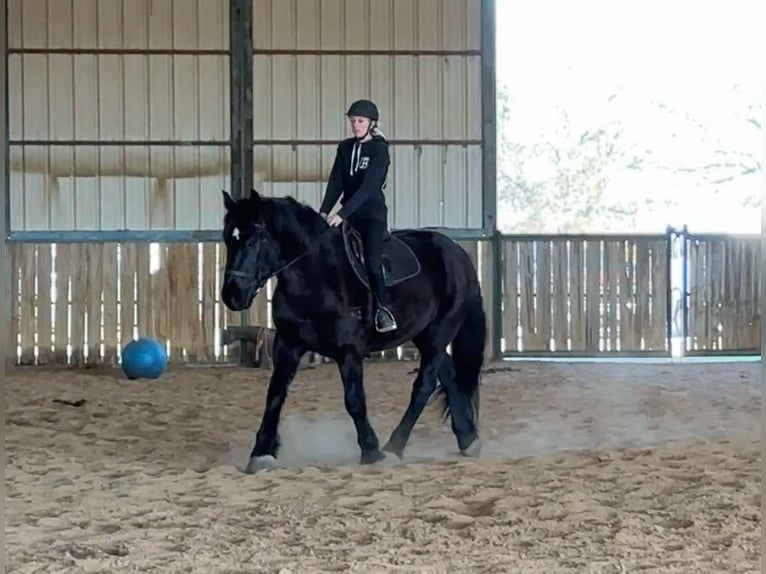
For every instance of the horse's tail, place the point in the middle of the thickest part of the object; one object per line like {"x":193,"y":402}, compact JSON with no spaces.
{"x":467,"y":360}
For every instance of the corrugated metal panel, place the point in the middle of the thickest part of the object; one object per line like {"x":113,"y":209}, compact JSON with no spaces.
{"x":70,"y":96}
{"x":367,"y":24}
{"x":432,"y":100}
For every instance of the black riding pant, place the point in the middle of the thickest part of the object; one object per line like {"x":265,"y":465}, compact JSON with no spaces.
{"x":373,"y":231}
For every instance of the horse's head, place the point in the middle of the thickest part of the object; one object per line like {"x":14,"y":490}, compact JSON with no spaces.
{"x":252,"y":254}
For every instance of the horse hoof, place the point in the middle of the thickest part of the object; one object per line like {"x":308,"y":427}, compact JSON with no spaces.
{"x":390,"y":449}
{"x":472,"y":450}
{"x":260,"y":464}
{"x":391,"y":459}
{"x":371,"y":457}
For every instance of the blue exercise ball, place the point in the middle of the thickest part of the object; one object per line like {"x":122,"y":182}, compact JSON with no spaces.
{"x":143,"y":358}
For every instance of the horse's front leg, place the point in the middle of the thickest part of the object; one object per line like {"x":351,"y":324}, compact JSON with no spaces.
{"x":286,"y":361}
{"x":351,"y":371}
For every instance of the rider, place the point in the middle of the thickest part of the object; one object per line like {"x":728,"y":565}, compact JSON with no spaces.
{"x":360,"y":171}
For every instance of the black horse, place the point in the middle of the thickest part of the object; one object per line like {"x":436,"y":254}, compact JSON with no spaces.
{"x":322,"y":304}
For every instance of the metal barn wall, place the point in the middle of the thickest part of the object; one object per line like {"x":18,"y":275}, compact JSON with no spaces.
{"x":128,"y":116}
{"x":120,"y":109}
{"x":419,"y":60}
{"x":106,"y":136}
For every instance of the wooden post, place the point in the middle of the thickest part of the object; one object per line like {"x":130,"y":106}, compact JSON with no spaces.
{"x":5,"y":276}
{"x":5,"y":268}
{"x":241,"y":103}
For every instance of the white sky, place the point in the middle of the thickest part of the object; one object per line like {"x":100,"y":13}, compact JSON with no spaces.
{"x":683,"y":53}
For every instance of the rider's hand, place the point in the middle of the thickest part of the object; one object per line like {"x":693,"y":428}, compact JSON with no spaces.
{"x":335,"y":220}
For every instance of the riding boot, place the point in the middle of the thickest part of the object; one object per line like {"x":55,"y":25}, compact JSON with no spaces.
{"x":384,"y":319}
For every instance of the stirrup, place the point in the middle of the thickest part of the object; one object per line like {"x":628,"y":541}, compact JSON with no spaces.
{"x":389,"y":318}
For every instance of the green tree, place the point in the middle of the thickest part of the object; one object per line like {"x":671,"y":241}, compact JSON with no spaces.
{"x":729,"y":150}
{"x":559,"y":185}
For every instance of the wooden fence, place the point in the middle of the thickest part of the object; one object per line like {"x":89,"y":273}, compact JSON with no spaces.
{"x":722,"y":311}
{"x":578,"y":295}
{"x":81,"y":303}
{"x":585,"y":295}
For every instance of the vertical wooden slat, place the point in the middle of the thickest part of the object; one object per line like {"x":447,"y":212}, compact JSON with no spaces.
{"x":642,"y":295}
{"x":79,"y":275}
{"x":741,"y":274}
{"x":184,"y":320}
{"x":175,"y":276}
{"x":625,"y":271}
{"x":543,"y":299}
{"x":230,"y":318}
{"x":128,"y":259}
{"x":752,"y":295}
{"x":659,"y":298}
{"x":697,"y":289}
{"x":560,"y":295}
{"x":28,"y":304}
{"x":63,"y":264}
{"x":526,"y":291}
{"x":577,"y":282}
{"x":207,"y":353}
{"x":196,"y":351}
{"x":15,"y":310}
{"x":93,"y":298}
{"x":611,"y":285}
{"x":144,"y":302}
{"x":44,"y":306}
{"x":706,"y":291}
{"x":510,"y":296}
{"x":160,"y":301}
{"x":734,"y":274}
{"x":713,"y":314}
{"x":109,"y":272}
{"x":593,"y":295}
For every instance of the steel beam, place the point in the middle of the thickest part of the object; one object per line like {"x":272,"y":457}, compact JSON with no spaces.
{"x":168,"y":236}
{"x":122,"y":143}
{"x":361,"y":52}
{"x":121,"y":51}
{"x":488,"y":117}
{"x":7,"y":346}
{"x":221,"y":143}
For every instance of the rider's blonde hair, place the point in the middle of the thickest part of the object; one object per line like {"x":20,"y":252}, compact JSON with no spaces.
{"x":376,"y":132}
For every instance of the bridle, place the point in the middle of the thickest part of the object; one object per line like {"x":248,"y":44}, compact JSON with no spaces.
{"x":251,"y":276}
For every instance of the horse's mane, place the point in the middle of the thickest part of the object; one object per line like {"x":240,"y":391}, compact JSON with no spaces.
{"x":286,"y":215}
{"x":295,"y":224}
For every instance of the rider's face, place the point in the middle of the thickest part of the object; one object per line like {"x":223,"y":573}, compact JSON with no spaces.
{"x":359,"y":126}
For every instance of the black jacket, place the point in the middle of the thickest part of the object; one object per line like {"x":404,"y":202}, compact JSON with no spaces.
{"x":360,"y":172}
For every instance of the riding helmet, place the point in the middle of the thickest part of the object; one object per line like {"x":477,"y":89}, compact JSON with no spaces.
{"x":364,"y":108}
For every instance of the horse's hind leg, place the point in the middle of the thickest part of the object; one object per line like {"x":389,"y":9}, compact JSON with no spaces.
{"x":286,"y":361}
{"x":458,"y":408}
{"x":431,"y":355}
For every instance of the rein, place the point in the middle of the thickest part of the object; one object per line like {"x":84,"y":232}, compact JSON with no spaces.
{"x":317,"y":241}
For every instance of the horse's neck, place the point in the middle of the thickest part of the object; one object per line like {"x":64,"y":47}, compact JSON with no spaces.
{"x":313,"y":261}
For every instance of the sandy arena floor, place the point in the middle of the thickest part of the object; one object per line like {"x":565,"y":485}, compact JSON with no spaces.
{"x":586,"y":468}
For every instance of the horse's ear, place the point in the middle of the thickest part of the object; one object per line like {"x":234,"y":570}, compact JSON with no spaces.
{"x":255,"y":197}
{"x":228,"y":202}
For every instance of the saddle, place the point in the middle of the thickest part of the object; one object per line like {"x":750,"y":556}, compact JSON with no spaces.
{"x":399,"y":262}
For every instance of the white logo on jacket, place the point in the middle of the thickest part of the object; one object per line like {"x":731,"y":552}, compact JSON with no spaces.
{"x":364,"y":162}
